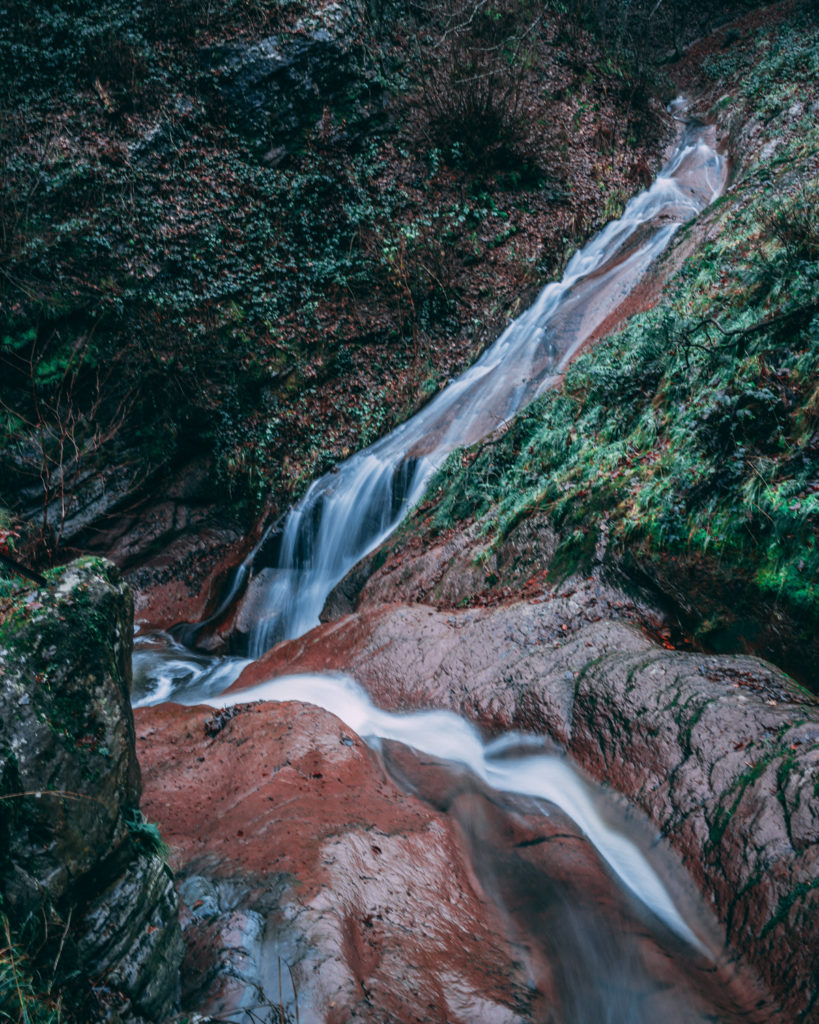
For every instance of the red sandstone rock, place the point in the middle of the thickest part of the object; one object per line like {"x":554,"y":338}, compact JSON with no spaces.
{"x":721,"y":753}
{"x":185,"y":582}
{"x":293,"y":843}
{"x":397,"y":928}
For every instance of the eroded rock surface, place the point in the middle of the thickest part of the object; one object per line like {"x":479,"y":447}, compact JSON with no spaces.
{"x":80,"y":878}
{"x":721,"y":753}
{"x":295,"y":843}
{"x":313,"y":881}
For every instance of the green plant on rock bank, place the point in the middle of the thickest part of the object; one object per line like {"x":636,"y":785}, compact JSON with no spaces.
{"x":690,"y":440}
{"x":23,"y":999}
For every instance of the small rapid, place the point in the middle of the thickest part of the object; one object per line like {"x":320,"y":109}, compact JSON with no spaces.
{"x":499,"y":764}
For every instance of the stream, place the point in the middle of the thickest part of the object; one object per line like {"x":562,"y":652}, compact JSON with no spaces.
{"x":280,"y":589}
{"x":577,"y":876}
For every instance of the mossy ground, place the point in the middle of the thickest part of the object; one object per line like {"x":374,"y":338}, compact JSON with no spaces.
{"x":168,"y":294}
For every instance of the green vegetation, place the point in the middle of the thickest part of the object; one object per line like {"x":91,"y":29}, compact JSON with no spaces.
{"x":23,"y":999}
{"x":35,"y":626}
{"x":174,"y":285}
{"x":787,"y":903}
{"x":176,"y":282}
{"x":145,"y":834}
{"x":692,"y":437}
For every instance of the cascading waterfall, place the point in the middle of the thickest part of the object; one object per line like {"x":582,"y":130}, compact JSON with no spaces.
{"x":348,"y":512}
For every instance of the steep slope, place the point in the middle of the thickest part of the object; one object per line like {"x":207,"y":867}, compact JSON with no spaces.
{"x":682,"y":454}
{"x":251,"y":239}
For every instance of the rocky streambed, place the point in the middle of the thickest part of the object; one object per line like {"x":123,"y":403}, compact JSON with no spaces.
{"x":339,"y":864}
{"x":595,"y":823}
{"x":321,"y":877}
{"x":396,"y":887}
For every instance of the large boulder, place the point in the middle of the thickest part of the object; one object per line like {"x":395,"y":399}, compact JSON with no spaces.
{"x":82,"y":882}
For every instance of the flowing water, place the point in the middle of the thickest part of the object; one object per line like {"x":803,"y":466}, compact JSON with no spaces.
{"x":350,"y":511}
{"x":584,"y":897}
{"x":445,"y":735}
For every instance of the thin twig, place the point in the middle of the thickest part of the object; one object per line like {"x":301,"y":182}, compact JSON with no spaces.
{"x":464,"y":24}
{"x":13,"y":963}
{"x":295,"y":991}
{"x":62,"y":793}
{"x":60,"y":950}
{"x":22,"y":570}
{"x":754,"y":328}
{"x":281,"y":1006}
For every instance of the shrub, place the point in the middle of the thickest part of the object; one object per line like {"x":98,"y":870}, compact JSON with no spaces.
{"x":794,"y":223}
{"x":472,"y":80}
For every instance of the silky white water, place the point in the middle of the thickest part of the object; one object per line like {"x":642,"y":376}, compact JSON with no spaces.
{"x":347,"y":513}
{"x":445,"y":735}
{"x":350,"y":511}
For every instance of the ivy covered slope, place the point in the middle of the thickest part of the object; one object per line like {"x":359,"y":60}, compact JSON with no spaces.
{"x":261,"y":233}
{"x":686,"y":447}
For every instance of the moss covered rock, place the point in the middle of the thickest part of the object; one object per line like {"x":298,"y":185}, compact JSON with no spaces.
{"x":69,"y":798}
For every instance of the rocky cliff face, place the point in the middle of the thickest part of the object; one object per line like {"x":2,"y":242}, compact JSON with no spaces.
{"x":85,"y":889}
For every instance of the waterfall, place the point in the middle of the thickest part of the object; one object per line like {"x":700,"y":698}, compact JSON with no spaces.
{"x":350,"y":511}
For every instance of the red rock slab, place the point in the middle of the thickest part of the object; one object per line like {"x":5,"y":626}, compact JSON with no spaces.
{"x":399,"y":927}
{"x":453,"y":905}
{"x":480,"y":663}
{"x":720,"y":752}
{"x":308,"y":766}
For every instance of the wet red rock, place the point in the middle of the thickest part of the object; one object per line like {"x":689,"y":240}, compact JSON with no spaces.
{"x":165,"y":594}
{"x":445,"y":904}
{"x":286,"y":791}
{"x":719,"y":752}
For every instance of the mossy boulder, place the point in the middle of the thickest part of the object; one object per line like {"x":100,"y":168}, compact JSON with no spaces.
{"x":69,"y":797}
